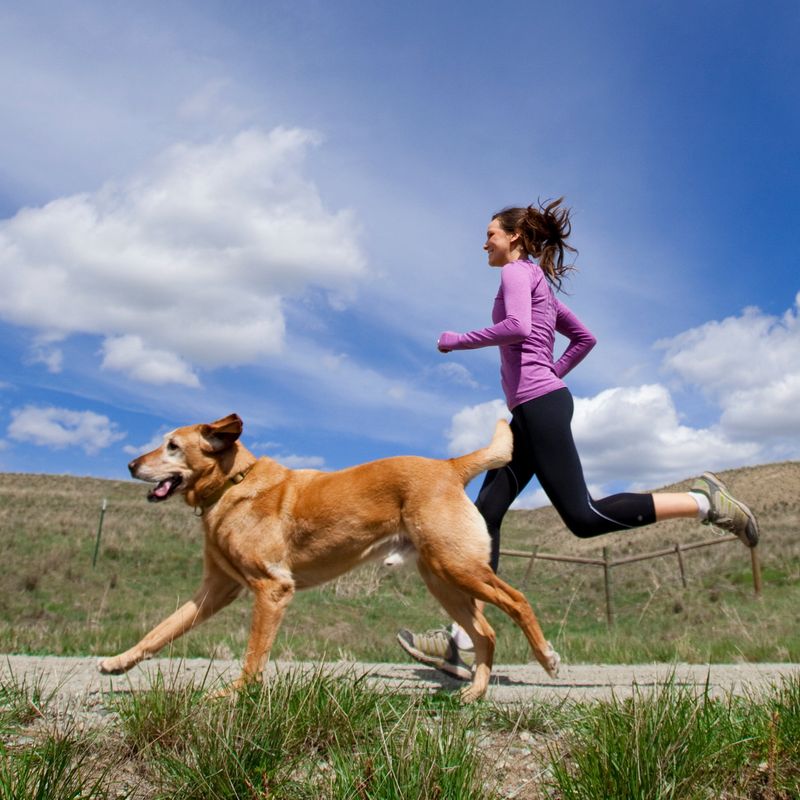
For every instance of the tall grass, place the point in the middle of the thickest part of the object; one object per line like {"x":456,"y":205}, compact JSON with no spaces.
{"x":313,"y":734}
{"x":780,"y":746}
{"x":670,"y":744}
{"x":54,"y":761}
{"x":61,"y":766}
{"x":412,"y":756}
{"x":22,"y":701}
{"x":304,"y":736}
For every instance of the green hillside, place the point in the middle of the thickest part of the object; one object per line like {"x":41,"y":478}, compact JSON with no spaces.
{"x":53,"y":601}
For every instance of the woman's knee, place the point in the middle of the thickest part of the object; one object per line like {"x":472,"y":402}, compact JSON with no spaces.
{"x":582,"y":526}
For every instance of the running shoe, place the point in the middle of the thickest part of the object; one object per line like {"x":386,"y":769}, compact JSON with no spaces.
{"x":438,"y":649}
{"x":726,"y":512}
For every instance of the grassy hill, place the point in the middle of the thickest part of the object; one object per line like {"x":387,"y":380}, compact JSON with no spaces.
{"x":53,"y":601}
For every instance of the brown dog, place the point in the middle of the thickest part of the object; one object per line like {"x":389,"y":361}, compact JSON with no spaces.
{"x":274,"y":530}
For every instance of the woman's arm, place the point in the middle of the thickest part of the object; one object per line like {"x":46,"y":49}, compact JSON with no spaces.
{"x":515,"y":287}
{"x":581,"y":340}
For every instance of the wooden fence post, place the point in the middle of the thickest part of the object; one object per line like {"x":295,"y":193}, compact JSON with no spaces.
{"x":680,"y":564}
{"x":755,"y":561}
{"x":530,"y":567}
{"x":677,"y":549}
{"x":99,"y":531}
{"x":607,"y":577}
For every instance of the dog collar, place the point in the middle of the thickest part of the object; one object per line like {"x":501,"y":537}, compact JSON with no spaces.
{"x":214,"y":498}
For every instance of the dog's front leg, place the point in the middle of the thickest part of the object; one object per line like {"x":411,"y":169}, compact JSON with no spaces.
{"x":272,"y":595}
{"x":216,"y":592}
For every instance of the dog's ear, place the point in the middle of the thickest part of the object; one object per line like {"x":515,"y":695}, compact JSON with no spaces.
{"x":221,"y":435}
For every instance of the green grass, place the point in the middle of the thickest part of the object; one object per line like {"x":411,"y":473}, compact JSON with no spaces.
{"x":22,"y":701}
{"x":40,"y":760}
{"x":310,"y":735}
{"x":59,"y":766}
{"x":671,"y":744}
{"x":302,"y":736}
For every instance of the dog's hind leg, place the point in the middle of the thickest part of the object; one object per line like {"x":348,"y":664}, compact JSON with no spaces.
{"x":216,"y":592}
{"x":485,"y":585}
{"x":455,"y":548}
{"x":466,"y":612}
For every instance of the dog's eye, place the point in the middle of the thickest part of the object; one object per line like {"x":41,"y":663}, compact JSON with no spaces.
{"x":172,"y":447}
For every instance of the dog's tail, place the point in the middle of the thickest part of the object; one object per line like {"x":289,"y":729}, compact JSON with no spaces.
{"x":496,"y":454}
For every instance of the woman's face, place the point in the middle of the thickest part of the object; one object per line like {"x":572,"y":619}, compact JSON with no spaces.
{"x":502,"y":247}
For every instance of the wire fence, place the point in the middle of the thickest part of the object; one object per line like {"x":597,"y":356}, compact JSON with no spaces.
{"x":607,"y":563}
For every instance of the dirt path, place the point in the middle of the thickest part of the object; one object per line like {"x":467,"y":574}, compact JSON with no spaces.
{"x":77,"y":679}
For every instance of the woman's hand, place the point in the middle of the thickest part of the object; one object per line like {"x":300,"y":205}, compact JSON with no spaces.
{"x":447,"y":341}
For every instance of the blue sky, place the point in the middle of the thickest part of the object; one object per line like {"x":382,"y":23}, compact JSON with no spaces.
{"x":274,"y":208}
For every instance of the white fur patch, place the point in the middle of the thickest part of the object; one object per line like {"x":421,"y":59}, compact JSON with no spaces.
{"x":280,"y":573}
{"x":399,"y":554}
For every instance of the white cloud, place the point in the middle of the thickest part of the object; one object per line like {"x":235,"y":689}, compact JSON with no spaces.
{"x":190,"y":259}
{"x":634,"y":435}
{"x":456,"y":373}
{"x":531,"y":499}
{"x":623,"y":435}
{"x":769,"y":411}
{"x":44,"y":351}
{"x":263,"y":447}
{"x":750,"y":367}
{"x":61,"y":427}
{"x":137,"y":450}
{"x":300,"y":462}
{"x":275,"y":451}
{"x":51,"y":357}
{"x":290,"y":460}
{"x":129,"y":354}
{"x":472,"y":427}
{"x":338,"y":377}
{"x":537,"y":498}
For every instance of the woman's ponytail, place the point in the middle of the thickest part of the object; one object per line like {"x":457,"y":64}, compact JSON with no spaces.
{"x":544,"y":230}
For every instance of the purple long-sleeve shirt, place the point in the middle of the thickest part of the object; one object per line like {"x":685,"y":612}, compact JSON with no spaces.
{"x":526,"y":317}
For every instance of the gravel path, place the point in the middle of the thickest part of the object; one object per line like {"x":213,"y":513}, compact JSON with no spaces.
{"x":77,"y":679}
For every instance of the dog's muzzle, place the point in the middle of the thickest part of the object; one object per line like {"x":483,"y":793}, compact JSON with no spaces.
{"x":164,"y":488}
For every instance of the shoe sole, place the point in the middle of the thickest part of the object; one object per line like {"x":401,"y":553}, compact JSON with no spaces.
{"x":453,"y":670}
{"x":749,"y":541}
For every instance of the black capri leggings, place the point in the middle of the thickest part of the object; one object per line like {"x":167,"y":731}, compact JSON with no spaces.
{"x":544,"y":447}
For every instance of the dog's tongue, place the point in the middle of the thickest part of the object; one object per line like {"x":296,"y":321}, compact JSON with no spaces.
{"x":162,"y":490}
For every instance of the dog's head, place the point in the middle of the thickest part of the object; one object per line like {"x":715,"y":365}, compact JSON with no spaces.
{"x":186,"y":456}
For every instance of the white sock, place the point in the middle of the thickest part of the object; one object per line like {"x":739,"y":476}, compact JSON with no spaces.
{"x":703,"y":506}
{"x":461,"y":637}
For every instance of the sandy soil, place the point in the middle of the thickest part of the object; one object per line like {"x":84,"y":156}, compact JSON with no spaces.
{"x":77,"y":679}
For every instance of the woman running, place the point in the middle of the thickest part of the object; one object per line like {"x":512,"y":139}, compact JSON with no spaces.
{"x":528,"y":246}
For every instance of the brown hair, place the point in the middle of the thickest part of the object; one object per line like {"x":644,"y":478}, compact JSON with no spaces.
{"x":544,"y":231}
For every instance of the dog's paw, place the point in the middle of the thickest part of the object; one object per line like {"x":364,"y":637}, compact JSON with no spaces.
{"x":552,"y":663}
{"x":226,"y":691}
{"x":471,"y":693}
{"x":234,"y":687}
{"x":110,"y":666}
